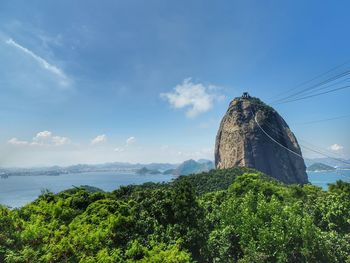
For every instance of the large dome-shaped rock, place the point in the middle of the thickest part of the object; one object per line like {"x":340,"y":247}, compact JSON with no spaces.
{"x":246,"y":138}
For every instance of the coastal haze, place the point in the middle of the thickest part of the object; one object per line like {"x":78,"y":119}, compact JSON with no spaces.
{"x":21,"y":186}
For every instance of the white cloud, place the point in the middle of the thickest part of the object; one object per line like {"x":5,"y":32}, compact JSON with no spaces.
{"x":336,"y":147}
{"x":196,"y":98}
{"x":43,"y":138}
{"x":99,"y":139}
{"x":64,"y":80}
{"x":130,"y":140}
{"x":46,"y":138}
{"x":58,"y":140}
{"x":119,"y":150}
{"x":15,"y":141}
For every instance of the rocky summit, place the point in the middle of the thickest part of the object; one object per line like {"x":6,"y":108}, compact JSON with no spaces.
{"x":254,"y":135}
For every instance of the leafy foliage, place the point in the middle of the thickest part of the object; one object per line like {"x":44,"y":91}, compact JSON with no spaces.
{"x":232,"y":215}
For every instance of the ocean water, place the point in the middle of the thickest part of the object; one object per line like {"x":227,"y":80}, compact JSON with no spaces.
{"x":322,"y":179}
{"x":17,"y":191}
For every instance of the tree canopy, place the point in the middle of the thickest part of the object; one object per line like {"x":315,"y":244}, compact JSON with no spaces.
{"x":231,"y":215}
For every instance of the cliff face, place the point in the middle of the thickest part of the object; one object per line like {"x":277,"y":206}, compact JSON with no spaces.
{"x":241,"y":142}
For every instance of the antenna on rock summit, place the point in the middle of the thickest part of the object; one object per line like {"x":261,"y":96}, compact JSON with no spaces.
{"x":245,"y":95}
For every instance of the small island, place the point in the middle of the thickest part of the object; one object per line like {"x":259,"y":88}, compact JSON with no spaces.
{"x":320,"y":167}
{"x":145,"y":170}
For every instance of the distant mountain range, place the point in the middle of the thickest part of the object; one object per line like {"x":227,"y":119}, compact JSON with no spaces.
{"x":192,"y":167}
{"x":187,"y":167}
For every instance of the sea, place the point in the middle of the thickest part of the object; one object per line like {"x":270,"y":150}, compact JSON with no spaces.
{"x":16,"y":191}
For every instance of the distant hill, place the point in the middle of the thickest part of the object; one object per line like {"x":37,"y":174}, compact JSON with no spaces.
{"x":205,"y":161}
{"x":192,"y":167}
{"x":320,"y":167}
{"x":145,"y":170}
{"x":160,"y":166}
{"x":188,"y":167}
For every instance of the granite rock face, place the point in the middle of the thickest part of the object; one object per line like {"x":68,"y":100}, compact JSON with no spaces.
{"x":241,"y":142}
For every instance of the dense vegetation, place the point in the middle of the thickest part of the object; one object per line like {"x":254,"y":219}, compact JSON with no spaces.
{"x":221,"y":216}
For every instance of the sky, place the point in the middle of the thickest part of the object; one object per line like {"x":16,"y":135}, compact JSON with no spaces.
{"x":149,"y":81}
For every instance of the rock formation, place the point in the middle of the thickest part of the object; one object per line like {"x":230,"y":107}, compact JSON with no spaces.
{"x":246,"y":138}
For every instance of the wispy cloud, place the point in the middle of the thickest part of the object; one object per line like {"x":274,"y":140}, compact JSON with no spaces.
{"x":15,"y":141}
{"x":99,"y":139}
{"x":43,"y":138}
{"x":130,"y":140}
{"x":64,"y":80}
{"x":196,"y":97}
{"x":336,"y":147}
{"x":119,"y":149}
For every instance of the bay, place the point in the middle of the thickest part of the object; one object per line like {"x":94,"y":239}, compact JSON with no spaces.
{"x":16,"y":191}
{"x":322,"y":179}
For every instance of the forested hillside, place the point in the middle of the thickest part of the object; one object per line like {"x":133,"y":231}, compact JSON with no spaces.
{"x":221,"y":216}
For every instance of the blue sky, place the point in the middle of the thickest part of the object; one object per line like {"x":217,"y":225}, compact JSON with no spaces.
{"x":149,"y":81}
